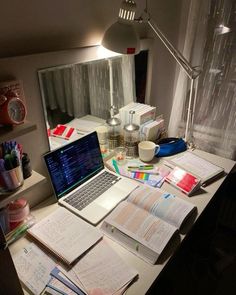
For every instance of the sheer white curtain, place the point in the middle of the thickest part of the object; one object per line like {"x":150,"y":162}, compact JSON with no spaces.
{"x":213,"y":47}
{"x":123,"y":76}
{"x":82,"y":89}
{"x":180,"y":101}
{"x":65,"y":89}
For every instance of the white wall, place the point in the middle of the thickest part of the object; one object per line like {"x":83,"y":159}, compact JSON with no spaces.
{"x":39,"y":26}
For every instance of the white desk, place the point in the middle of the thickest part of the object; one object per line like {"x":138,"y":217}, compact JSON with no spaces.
{"x":147,"y":272}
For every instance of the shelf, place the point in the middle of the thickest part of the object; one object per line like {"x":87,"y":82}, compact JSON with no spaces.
{"x":29,"y":183}
{"x":11,"y":132}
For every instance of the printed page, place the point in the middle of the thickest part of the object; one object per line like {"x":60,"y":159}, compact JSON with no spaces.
{"x":33,"y":267}
{"x":140,"y":225}
{"x":65,"y":234}
{"x":102,"y":270}
{"x":159,"y":203}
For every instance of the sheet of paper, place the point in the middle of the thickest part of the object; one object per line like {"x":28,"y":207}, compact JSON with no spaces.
{"x":103,"y":269}
{"x":60,"y":287}
{"x":66,"y":282}
{"x":33,"y":267}
{"x":84,"y":125}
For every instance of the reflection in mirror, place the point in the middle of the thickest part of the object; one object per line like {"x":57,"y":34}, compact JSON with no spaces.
{"x":88,"y":90}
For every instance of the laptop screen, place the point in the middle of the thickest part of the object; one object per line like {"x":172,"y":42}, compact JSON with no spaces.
{"x":74,"y":163}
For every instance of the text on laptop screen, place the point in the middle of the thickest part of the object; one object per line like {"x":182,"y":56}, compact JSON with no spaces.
{"x":74,"y":163}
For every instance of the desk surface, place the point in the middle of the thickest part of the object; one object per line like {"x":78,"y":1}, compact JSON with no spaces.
{"x":147,"y":272}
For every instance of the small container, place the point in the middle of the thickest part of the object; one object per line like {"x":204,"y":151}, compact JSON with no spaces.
{"x":131,"y":137}
{"x":120,"y":155}
{"x":114,"y":126}
{"x":102,"y":138}
{"x":12,"y":179}
{"x":18,"y":211}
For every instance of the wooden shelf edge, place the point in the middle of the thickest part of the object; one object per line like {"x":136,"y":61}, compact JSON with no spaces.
{"x":29,"y":183}
{"x":11,"y":132}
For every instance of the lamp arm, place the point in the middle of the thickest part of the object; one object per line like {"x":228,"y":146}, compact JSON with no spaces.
{"x":192,"y":72}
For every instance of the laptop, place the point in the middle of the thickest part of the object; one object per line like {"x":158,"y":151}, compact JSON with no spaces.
{"x":82,"y":183}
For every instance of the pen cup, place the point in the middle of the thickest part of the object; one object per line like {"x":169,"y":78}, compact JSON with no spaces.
{"x":12,"y":179}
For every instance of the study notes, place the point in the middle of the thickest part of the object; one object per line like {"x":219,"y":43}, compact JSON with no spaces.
{"x":146,"y":221}
{"x":33,"y":267}
{"x":101,"y":270}
{"x":65,"y":234}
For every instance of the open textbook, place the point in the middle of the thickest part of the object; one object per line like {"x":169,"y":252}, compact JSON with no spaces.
{"x":146,"y":221}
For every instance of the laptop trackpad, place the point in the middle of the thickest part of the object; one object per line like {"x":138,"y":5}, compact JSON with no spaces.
{"x":111,"y":198}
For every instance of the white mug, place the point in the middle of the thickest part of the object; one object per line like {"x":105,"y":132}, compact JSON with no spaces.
{"x":147,"y":150}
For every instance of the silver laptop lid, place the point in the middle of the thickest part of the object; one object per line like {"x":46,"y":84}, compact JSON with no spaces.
{"x":71,"y":165}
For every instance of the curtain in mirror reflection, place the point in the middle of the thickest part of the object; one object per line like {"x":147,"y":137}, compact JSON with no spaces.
{"x":73,"y":91}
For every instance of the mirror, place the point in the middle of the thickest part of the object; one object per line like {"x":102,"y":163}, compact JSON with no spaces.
{"x":85,"y":91}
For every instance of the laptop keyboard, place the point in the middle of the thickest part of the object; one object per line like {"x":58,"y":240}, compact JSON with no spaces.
{"x":89,"y":192}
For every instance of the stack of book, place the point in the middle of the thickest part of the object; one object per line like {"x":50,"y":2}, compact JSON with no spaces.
{"x":153,"y":128}
{"x":143,"y":113}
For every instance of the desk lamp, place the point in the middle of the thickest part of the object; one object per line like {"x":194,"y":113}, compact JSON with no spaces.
{"x":122,"y":37}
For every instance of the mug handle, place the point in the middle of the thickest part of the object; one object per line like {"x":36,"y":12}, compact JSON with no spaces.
{"x":157,"y":150}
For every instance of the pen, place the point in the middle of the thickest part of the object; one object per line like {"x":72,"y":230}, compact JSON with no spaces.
{"x":114,"y":163}
{"x":2,"y":166}
{"x":19,"y":231}
{"x":142,"y":167}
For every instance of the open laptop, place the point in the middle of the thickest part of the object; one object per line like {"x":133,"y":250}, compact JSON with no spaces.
{"x":80,"y":181}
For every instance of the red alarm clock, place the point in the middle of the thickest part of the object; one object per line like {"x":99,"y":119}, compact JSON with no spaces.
{"x":12,"y":109}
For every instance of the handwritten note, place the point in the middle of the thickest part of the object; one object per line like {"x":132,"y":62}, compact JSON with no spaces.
{"x":65,"y":234}
{"x":103,"y":269}
{"x":33,"y":267}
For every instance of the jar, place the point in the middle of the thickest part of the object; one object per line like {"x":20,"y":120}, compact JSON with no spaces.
{"x":26,"y":166}
{"x":102,"y":138}
{"x":131,"y":137}
{"x":114,"y":126}
{"x":18,"y":211}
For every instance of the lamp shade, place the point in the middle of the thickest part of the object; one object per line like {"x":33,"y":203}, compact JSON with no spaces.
{"x":121,"y":38}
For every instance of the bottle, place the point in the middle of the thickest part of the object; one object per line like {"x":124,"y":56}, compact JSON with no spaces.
{"x":26,"y":167}
{"x":113,"y":125}
{"x":131,"y":136}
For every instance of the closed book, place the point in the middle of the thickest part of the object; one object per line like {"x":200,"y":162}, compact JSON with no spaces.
{"x":63,"y":131}
{"x":183,"y":180}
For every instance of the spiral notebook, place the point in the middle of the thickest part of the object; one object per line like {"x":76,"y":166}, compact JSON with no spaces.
{"x":65,"y":235}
